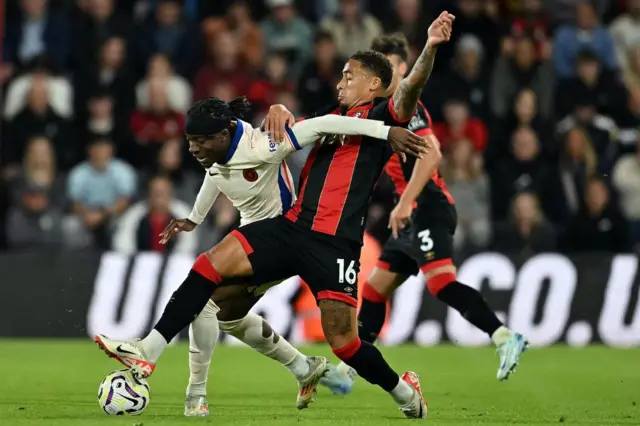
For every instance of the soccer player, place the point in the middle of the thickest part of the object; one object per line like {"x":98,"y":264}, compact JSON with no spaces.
{"x":250,"y":170}
{"x":320,"y":237}
{"x":423,"y":223}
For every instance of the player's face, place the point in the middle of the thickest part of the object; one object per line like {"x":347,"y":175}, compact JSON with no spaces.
{"x":209,"y":149}
{"x":357,"y":85}
{"x":399,"y":71}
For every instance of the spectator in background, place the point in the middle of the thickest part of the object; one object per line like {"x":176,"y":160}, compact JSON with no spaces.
{"x":409,"y":19}
{"x":524,"y":171}
{"x":625,"y":30}
{"x":563,"y":12}
{"x":247,"y":33}
{"x":590,"y":82}
{"x":263,"y":91}
{"x":527,"y":232}
{"x":171,"y":34}
{"x":601,"y":129}
{"x":287,"y":34}
{"x":39,"y":168}
{"x":586,"y":34}
{"x":223,"y":67}
{"x":469,"y":186}
{"x":178,"y":89}
{"x":521,"y":71}
{"x":100,"y":189}
{"x":458,"y":125}
{"x":59,"y":91}
{"x":626,"y":181}
{"x":38,"y":32}
{"x":96,"y":24}
{"x":529,"y":23}
{"x":171,"y":166}
{"x":138,"y":228}
{"x":352,"y":29}
{"x":524,"y":113}
{"x":33,"y":222}
{"x":600,"y":227}
{"x":317,"y":85}
{"x":156,"y":124}
{"x":103,"y":123}
{"x":578,"y":164}
{"x":38,"y":118}
{"x":110,"y":74}
{"x":466,"y":79}
{"x":631,"y":68}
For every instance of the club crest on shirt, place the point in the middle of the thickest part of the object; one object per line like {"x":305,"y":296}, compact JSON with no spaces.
{"x":250,"y":175}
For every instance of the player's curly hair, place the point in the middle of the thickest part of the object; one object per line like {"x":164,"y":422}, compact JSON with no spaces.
{"x":392,"y":44}
{"x":217,"y":108}
{"x":376,"y":63}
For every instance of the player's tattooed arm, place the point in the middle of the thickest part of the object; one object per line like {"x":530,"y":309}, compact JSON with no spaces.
{"x":405,"y":98}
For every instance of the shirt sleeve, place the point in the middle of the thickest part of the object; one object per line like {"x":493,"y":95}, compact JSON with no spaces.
{"x":310,"y":131}
{"x":209,"y":191}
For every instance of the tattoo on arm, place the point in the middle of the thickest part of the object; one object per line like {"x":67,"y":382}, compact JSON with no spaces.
{"x":336,"y":318}
{"x":406,"y":96}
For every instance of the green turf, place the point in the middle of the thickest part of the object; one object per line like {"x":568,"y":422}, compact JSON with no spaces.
{"x":55,"y":383}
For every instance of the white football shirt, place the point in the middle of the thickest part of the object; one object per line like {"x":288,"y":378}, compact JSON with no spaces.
{"x":256,"y":178}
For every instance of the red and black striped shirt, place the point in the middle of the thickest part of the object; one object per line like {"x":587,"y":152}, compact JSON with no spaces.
{"x":337,"y":180}
{"x":400,"y":173}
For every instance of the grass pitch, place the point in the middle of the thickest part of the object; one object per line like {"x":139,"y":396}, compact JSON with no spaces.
{"x":56,"y":383}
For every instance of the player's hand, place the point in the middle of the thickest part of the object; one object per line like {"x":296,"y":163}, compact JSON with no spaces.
{"x":399,"y":218}
{"x":404,"y":142}
{"x":175,"y":227}
{"x":440,"y":30}
{"x":275,"y":121}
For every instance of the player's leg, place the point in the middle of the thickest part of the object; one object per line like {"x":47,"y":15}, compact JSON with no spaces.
{"x":228,"y":259}
{"x":434,"y":245}
{"x":203,"y":335}
{"x":330,"y":267}
{"x":339,"y":323}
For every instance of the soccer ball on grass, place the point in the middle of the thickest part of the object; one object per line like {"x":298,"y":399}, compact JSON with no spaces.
{"x":120,"y":393}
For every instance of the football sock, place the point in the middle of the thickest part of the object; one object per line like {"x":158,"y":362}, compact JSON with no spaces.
{"x":203,"y":335}
{"x":402,"y":393}
{"x":257,"y":333}
{"x":153,"y":345}
{"x":469,"y":302}
{"x":367,"y":360}
{"x":501,"y":335}
{"x":185,"y":303}
{"x":373,"y":312}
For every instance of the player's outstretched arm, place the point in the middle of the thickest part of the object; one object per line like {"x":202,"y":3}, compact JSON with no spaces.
{"x":405,"y":98}
{"x":207,"y":195}
{"x":401,"y":140}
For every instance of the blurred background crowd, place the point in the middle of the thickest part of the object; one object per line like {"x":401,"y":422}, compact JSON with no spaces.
{"x":536,"y":104}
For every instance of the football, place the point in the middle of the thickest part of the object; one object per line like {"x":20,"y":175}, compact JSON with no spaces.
{"x":120,"y":393}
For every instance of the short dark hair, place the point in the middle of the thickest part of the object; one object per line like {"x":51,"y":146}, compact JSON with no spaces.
{"x":377,"y":63}
{"x":392,"y":44}
{"x":322,"y":35}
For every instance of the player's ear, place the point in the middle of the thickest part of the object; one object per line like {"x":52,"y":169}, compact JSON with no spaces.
{"x":375,"y":84}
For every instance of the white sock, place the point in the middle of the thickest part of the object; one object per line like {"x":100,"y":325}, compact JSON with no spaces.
{"x":203,"y":335}
{"x":402,"y":393}
{"x":252,"y":330}
{"x":501,"y":335}
{"x":153,"y":345}
{"x":344,"y":368}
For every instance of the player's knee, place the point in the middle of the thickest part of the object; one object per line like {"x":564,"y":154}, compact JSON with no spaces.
{"x":348,"y":350}
{"x":229,"y":258}
{"x":439,"y":278}
{"x":383,"y":283}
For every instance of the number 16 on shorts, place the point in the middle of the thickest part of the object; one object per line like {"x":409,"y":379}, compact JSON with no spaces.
{"x":349,"y":275}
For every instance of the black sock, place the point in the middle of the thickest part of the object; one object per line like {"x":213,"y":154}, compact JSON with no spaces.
{"x":470,"y":303}
{"x":185,"y":305}
{"x":371,"y":319}
{"x":367,"y":360}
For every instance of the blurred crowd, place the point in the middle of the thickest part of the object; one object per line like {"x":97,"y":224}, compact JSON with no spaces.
{"x":536,"y":104}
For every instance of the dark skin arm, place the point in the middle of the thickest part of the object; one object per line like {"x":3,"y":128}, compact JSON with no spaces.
{"x":405,"y":98}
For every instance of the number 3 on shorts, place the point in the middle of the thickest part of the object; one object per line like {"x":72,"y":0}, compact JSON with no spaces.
{"x":349,"y":275}
{"x":425,"y":239}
